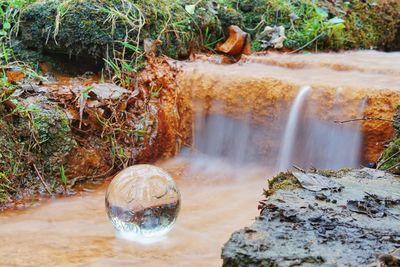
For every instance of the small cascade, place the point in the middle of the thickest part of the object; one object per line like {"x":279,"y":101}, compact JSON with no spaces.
{"x":310,"y":141}
{"x":311,"y":136}
{"x":289,"y":139}
{"x":221,"y":140}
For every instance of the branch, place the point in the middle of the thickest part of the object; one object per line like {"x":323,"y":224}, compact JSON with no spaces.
{"x":42,"y":180}
{"x":298,"y":168}
{"x":365,"y":119}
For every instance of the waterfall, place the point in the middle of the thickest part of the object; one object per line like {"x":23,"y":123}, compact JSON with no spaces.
{"x":319,"y":143}
{"x":310,"y":136}
{"x":285,"y":155}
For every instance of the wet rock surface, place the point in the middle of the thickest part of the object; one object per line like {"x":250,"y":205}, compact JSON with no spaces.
{"x":356,"y":225}
{"x":237,"y":44}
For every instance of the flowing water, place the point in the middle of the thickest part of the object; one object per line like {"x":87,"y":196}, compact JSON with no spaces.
{"x":250,"y":119}
{"x":289,"y":138}
{"x":311,"y":142}
{"x":77,"y":232}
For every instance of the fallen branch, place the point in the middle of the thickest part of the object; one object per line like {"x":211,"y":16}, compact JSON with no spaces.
{"x":364,"y":119}
{"x":42,"y":180}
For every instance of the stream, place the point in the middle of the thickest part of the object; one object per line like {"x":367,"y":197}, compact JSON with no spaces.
{"x":251,"y":120}
{"x":76,"y":231}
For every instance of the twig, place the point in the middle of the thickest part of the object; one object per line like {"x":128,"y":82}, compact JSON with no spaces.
{"x":42,"y":180}
{"x":364,"y":119}
{"x":307,"y":44}
{"x":298,"y":168}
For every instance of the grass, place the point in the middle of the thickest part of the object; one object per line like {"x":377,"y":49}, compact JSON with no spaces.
{"x":31,"y":135}
{"x":10,"y":16}
{"x":115,"y":30}
{"x":63,"y":177}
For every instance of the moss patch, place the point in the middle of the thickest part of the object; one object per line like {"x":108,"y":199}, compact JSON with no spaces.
{"x":340,"y":25}
{"x":390,"y":160}
{"x":96,"y":27}
{"x":32,"y":135}
{"x":287,"y":181}
{"x":283,"y":181}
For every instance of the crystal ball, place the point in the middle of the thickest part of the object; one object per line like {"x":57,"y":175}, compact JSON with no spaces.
{"x":143,"y":201}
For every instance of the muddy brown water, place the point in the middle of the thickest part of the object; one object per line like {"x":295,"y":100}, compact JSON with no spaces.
{"x":77,"y":232}
{"x":217,"y":198}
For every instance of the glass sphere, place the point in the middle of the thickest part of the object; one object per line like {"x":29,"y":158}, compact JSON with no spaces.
{"x":143,"y":201}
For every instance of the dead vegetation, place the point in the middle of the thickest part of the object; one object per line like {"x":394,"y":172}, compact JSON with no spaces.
{"x":95,"y":130}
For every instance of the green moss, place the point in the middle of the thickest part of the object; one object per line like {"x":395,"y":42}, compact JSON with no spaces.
{"x":52,"y":128}
{"x":94,"y":27}
{"x":390,"y":160}
{"x":115,"y":30}
{"x":36,"y":133}
{"x":396,"y":121}
{"x":79,"y":31}
{"x":283,"y":181}
{"x":343,"y":25}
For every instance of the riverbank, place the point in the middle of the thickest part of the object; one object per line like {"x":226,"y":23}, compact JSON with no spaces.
{"x":181,"y":104}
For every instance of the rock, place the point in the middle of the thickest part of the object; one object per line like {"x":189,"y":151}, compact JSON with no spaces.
{"x":85,"y":30}
{"x":304,"y":231}
{"x":316,"y":182}
{"x":272,"y":37}
{"x":87,"y":162}
{"x":37,"y":134}
{"x":108,"y":91}
{"x":237,"y":44}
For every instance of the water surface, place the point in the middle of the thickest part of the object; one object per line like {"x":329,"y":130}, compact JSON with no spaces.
{"x":76,"y":231}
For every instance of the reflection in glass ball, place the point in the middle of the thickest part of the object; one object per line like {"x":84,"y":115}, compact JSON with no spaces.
{"x":143,"y":201}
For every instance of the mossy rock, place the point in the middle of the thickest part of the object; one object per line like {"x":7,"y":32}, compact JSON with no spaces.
{"x":396,"y":121}
{"x":95,"y":27}
{"x":79,"y":28}
{"x":287,"y":181}
{"x":36,"y":133}
{"x":51,"y":126}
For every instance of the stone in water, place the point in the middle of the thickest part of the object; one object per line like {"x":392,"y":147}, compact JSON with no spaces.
{"x":143,"y":201}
